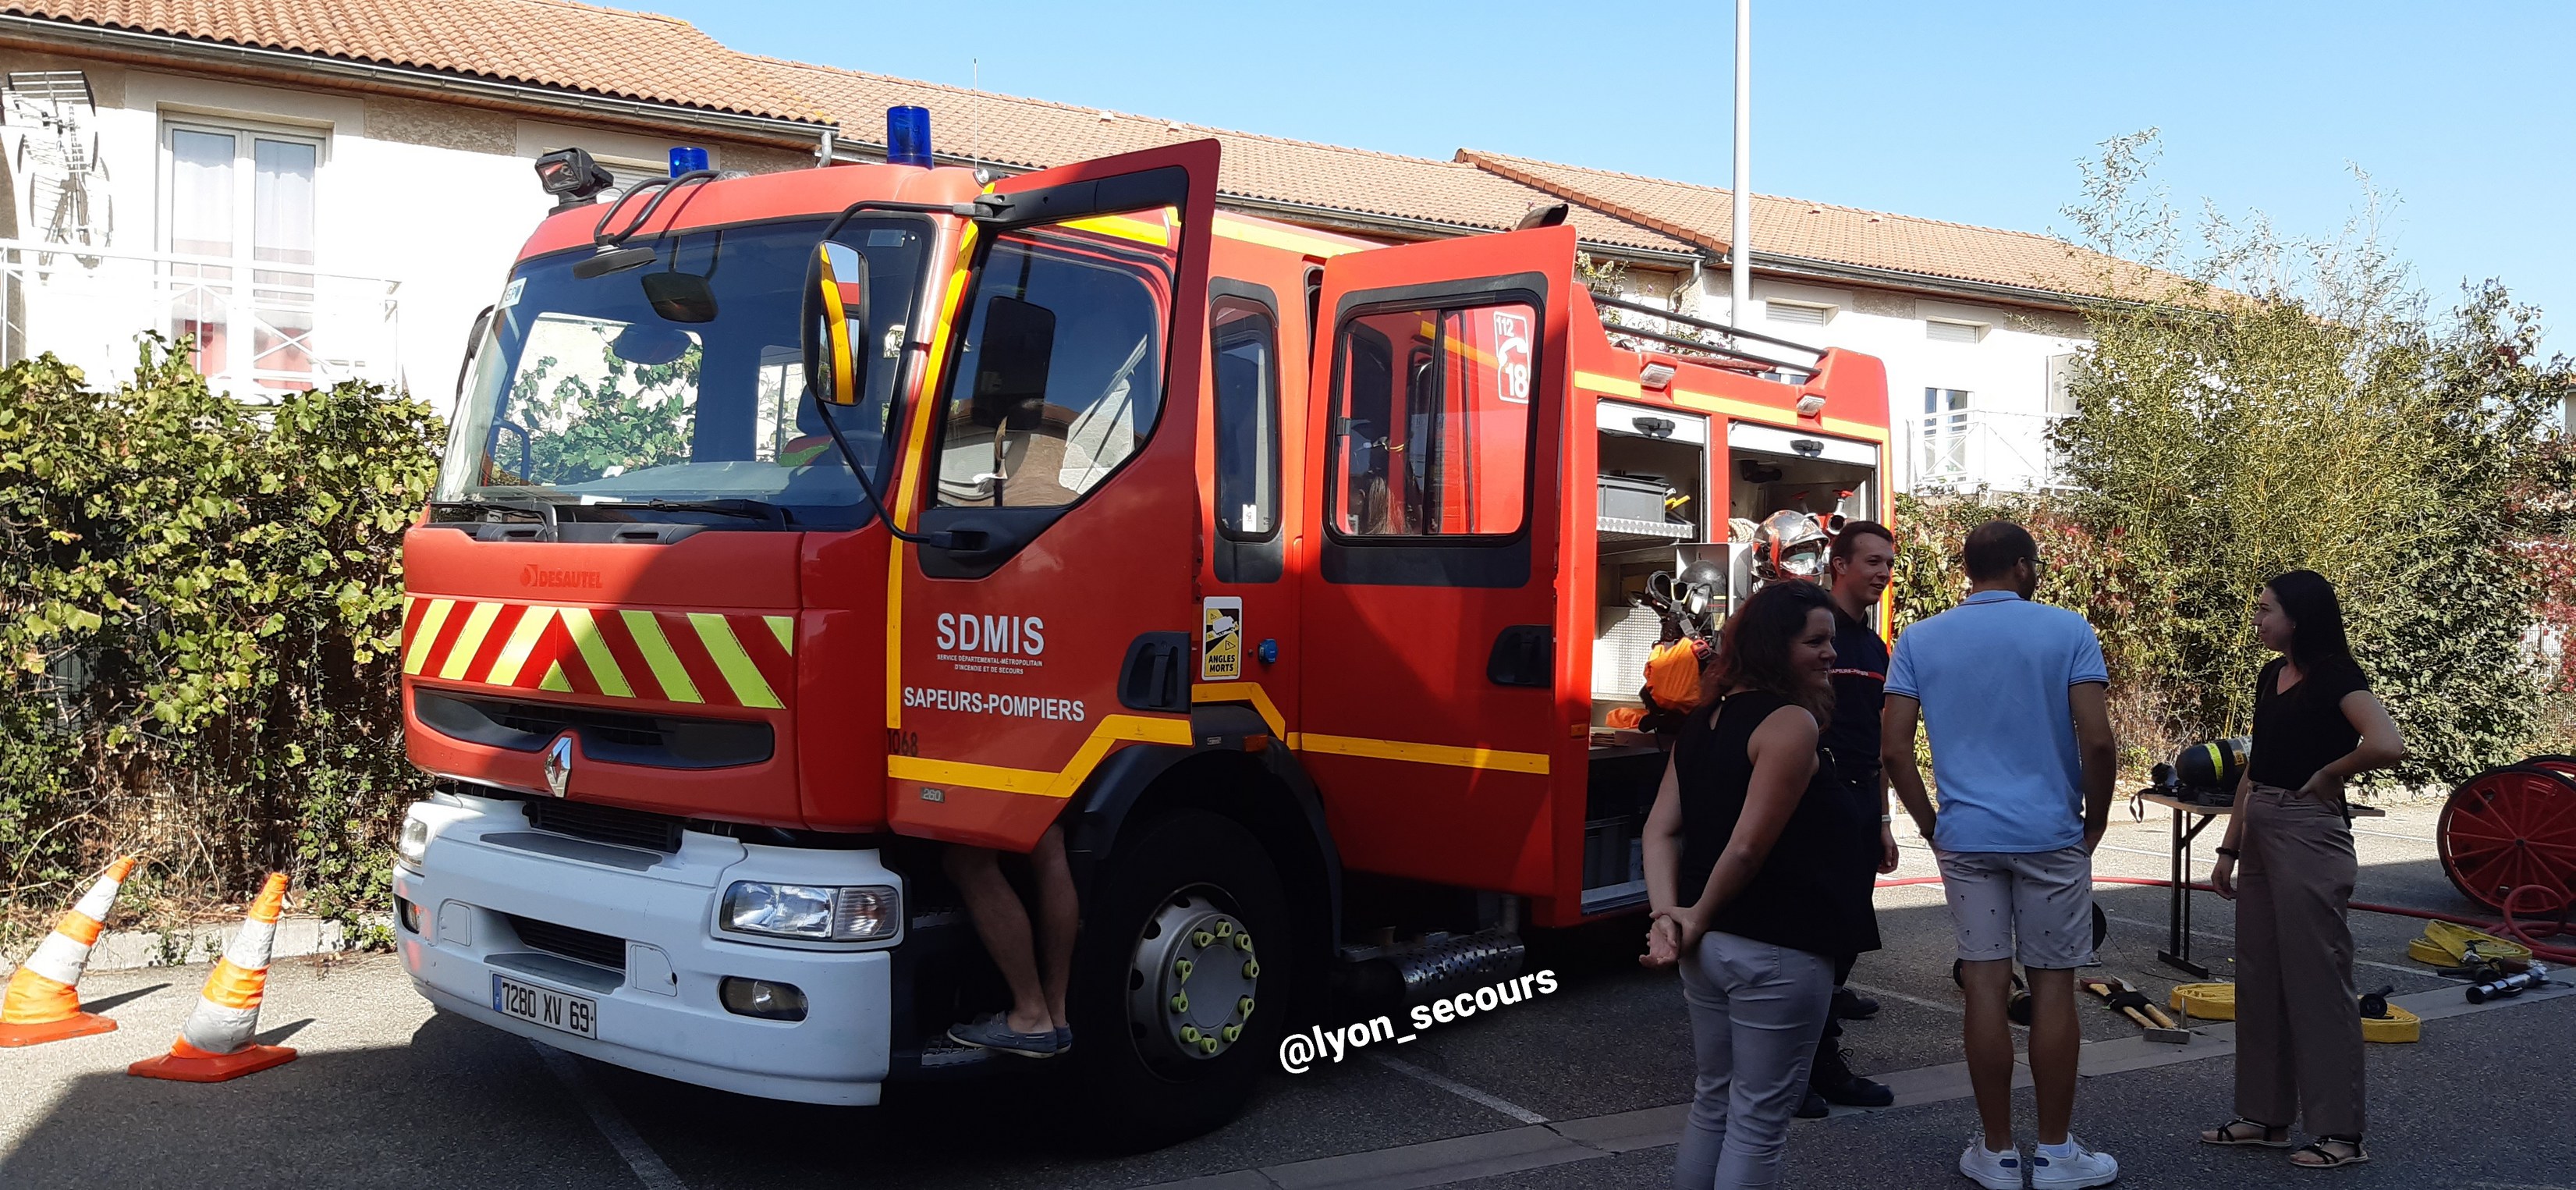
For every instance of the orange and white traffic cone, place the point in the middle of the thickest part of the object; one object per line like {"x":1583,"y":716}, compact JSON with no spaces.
{"x":216,"y":1043}
{"x":41,"y":1004}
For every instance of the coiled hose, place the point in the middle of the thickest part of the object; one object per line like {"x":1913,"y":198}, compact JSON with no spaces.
{"x":2511,"y":927}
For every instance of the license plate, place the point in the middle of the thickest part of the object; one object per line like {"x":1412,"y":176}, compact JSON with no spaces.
{"x":544,"y":1006}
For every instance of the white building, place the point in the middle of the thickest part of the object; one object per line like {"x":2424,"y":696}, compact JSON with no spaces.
{"x":322,"y":189}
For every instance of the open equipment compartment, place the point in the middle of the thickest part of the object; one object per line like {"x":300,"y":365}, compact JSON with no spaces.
{"x":1773,"y":468}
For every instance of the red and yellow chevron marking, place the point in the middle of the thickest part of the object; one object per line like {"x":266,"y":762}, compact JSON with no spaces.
{"x":718,"y":659}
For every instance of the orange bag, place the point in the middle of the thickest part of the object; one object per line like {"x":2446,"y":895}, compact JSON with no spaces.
{"x":1672,"y":674}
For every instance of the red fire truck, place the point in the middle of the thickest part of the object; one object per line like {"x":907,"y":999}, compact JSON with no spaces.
{"x":794,"y":527}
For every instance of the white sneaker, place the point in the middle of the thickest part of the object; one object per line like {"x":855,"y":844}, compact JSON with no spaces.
{"x":1994,"y":1171}
{"x":2083,"y":1167}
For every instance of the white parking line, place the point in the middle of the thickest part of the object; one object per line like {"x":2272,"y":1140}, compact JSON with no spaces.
{"x":620,"y":1135}
{"x":1891,"y":995}
{"x":1461,"y":1090}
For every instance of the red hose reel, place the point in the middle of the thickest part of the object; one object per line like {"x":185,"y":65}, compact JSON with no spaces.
{"x":2508,"y":837}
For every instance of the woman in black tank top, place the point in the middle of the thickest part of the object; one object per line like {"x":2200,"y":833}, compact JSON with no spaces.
{"x":1760,"y":867}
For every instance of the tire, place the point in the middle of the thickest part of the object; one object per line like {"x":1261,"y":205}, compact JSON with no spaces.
{"x":1140,"y":1087}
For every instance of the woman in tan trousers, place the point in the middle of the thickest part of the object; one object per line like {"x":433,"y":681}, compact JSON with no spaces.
{"x":2288,"y":864}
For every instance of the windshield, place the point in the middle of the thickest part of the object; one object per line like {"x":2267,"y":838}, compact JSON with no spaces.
{"x":681,"y":380}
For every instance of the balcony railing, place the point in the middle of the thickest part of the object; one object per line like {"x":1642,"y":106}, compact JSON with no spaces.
{"x":1973,"y":448}
{"x":256,"y":328}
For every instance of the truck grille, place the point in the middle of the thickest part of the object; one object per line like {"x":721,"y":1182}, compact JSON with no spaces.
{"x":605,"y":824}
{"x":582,"y":945}
{"x":657,"y":741}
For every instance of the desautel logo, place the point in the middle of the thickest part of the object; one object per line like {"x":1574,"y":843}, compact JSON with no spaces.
{"x":534,"y":575}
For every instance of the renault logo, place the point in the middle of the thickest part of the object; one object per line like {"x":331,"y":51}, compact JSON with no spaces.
{"x":559,"y":764}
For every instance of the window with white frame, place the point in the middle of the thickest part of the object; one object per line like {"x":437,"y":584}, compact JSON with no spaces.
{"x":2061,"y":385}
{"x":1945,"y":432}
{"x":238,"y":209}
{"x":1943,"y":330}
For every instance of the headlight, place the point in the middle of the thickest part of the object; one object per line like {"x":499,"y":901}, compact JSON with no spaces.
{"x":413,"y":846}
{"x":822,"y":914}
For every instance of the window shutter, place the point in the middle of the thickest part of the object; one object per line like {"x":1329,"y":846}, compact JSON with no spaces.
{"x":1952,"y":332}
{"x":1798,"y":312}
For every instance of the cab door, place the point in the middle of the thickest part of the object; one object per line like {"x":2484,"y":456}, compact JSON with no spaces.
{"x":1051,"y":468}
{"x":1430,"y":711}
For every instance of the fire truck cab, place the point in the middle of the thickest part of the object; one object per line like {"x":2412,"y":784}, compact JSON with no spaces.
{"x":796,"y":527}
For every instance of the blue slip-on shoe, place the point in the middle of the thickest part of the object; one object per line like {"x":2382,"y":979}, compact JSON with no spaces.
{"x":995,"y":1033}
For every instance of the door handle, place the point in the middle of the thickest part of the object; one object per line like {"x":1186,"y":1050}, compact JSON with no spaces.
{"x":1152,"y":678}
{"x":1523,"y":655}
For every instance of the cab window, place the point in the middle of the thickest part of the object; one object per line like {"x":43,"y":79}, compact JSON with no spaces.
{"x":1247,"y":419}
{"x":1058,"y":379}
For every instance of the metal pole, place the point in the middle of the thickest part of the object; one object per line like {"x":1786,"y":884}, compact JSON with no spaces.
{"x":1739,"y":249}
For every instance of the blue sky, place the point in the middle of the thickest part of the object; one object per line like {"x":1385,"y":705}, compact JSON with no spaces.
{"x":2466,"y":112}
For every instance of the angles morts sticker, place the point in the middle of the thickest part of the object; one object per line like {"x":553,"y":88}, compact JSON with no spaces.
{"x":1221,"y":639}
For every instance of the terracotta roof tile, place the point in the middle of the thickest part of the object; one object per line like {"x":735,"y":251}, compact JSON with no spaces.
{"x":1839,"y":235}
{"x":548,"y":43}
{"x":1035,"y":133}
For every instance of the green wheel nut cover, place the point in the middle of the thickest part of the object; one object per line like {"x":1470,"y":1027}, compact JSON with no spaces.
{"x":1190,"y":1034}
{"x":1243,"y":942}
{"x":1203,"y":938}
{"x":1224,"y":929}
{"x":1231,"y":1033}
{"x":1207,"y":1045}
{"x":1244,"y":1006}
{"x":1181,"y":1002}
{"x":1252,"y":968}
{"x":1181,"y":967}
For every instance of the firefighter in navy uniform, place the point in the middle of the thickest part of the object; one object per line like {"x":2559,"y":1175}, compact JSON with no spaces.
{"x":1862,"y":560}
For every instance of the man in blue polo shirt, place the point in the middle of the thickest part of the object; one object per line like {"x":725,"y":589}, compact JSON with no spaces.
{"x":2013,"y":694}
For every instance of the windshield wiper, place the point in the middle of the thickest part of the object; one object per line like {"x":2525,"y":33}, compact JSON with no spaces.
{"x":543,"y":510}
{"x":755,"y":510}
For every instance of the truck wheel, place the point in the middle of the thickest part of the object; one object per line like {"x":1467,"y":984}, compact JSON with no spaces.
{"x":1180,"y":982}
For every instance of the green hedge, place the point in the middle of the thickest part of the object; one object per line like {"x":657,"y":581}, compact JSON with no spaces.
{"x":200,"y":604}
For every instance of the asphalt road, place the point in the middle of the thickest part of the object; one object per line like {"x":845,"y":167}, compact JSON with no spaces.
{"x":1575,"y":1089}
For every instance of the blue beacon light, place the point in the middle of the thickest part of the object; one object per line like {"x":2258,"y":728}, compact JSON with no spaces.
{"x":908,"y":136}
{"x":686,"y":159}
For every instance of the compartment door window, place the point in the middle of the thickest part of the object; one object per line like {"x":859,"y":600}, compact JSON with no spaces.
{"x":1431,"y":423}
{"x":1247,"y":420}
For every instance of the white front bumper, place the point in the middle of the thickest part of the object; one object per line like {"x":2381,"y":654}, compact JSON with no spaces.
{"x":661,"y":1015}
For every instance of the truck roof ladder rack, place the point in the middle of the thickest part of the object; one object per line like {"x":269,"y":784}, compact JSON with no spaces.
{"x":1706,"y":325}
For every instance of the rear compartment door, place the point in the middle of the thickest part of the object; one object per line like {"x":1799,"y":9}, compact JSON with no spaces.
{"x":1433,"y":718}
{"x":1053,"y":460}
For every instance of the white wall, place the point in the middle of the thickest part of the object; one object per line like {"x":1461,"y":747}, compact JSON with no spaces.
{"x":437,"y":197}
{"x":2006,"y":369}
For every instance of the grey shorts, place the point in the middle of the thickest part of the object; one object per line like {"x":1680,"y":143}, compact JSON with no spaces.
{"x":2041,"y":899}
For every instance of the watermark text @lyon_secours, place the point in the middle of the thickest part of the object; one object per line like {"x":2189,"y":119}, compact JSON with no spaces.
{"x":1298,"y":1051}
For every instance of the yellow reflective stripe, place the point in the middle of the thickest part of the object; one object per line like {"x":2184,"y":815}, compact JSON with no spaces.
{"x":1128,"y":227}
{"x":426,"y":635}
{"x":749,"y":688}
{"x":477,"y":623}
{"x":523,"y":639}
{"x":909,"y":485}
{"x":1613,"y":385}
{"x":1733,"y":407}
{"x":554,"y":679}
{"x":603,"y":665}
{"x":784,"y":628}
{"x":667,"y":670}
{"x":1250,"y":692}
{"x":1113,"y":730}
{"x":1274,"y":237}
{"x":1472,"y":758}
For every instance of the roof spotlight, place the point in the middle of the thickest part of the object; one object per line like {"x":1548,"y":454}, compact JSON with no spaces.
{"x":572,"y":177}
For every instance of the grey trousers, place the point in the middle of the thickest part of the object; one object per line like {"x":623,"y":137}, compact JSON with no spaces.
{"x":2298,"y":1028}
{"x":1754,"y":1009}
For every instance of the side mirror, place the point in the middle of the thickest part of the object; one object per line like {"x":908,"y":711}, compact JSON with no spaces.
{"x":1012,"y":357}
{"x":836,"y":300}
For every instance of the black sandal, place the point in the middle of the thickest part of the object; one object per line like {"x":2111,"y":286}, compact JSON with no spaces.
{"x":2327,"y":1158}
{"x":2226,"y":1134}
